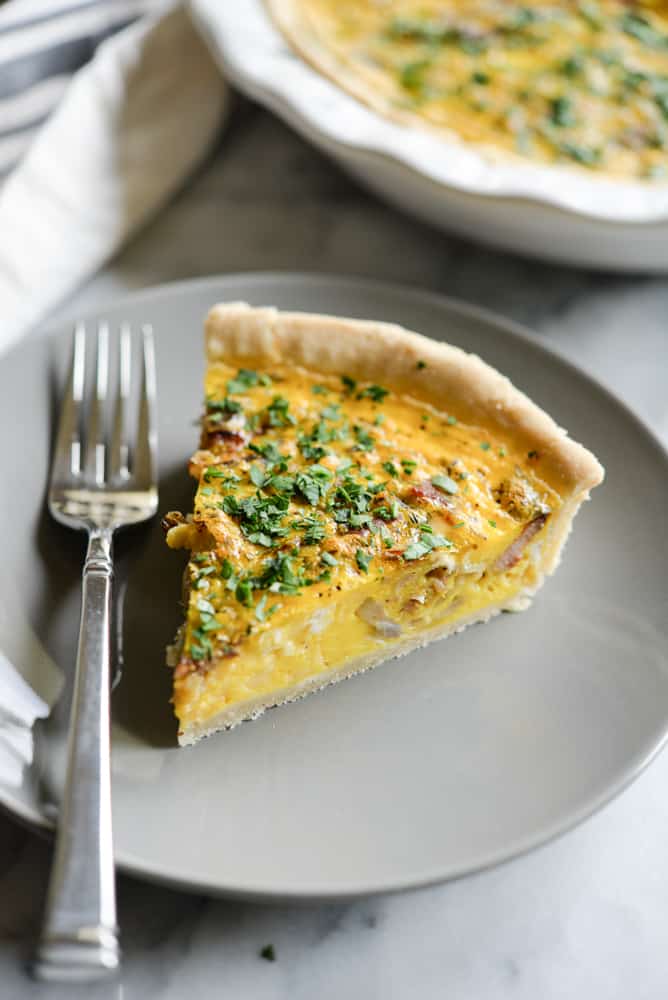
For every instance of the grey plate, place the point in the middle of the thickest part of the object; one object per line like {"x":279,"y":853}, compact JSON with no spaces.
{"x":446,"y":761}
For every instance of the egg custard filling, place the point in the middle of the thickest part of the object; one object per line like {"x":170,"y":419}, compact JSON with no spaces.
{"x":340,"y":520}
{"x":578,"y":82}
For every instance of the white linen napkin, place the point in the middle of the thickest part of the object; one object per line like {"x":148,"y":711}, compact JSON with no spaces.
{"x":127,"y":130}
{"x":108,"y":147}
{"x":19,"y":709}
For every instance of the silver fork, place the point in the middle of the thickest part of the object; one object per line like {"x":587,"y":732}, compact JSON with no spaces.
{"x":99,"y":483}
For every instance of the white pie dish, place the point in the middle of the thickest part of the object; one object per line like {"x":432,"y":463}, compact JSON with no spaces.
{"x":557,"y":213}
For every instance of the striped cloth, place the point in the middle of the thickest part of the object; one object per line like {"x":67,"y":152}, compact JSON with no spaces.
{"x":42,"y":43}
{"x":106,"y":107}
{"x":105,"y":110}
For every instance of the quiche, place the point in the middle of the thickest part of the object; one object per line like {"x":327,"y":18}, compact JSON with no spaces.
{"x":580,"y":82}
{"x":361,"y":491}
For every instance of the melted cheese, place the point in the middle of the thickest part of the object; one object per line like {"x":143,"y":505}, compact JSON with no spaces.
{"x":332,"y":520}
{"x":582,"y":83}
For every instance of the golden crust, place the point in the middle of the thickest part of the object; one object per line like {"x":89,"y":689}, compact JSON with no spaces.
{"x":448,"y":378}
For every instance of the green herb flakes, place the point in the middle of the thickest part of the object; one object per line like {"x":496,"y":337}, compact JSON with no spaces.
{"x":445,"y":483}
{"x":245,"y":380}
{"x":363,"y":560}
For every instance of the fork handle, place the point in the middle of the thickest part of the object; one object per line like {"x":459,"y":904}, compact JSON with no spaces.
{"x":79,"y":935}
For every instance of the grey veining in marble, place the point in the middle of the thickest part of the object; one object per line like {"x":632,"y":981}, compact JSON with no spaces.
{"x":583,"y":917}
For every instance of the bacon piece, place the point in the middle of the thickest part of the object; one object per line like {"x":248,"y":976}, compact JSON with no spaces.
{"x":184,"y":667}
{"x":222,"y":452}
{"x":171,"y":519}
{"x":187,"y":665}
{"x":229,"y":442}
{"x":427,"y":492}
{"x":513,"y":553}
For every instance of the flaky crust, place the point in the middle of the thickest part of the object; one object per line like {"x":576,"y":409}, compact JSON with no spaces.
{"x":449,"y":379}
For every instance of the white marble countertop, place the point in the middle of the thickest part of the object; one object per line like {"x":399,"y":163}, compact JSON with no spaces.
{"x":583,"y":917}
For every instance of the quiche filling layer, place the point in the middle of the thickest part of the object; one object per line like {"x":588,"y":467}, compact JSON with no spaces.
{"x":582,"y":82}
{"x":333,"y":521}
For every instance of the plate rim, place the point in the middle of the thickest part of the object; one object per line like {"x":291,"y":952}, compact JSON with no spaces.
{"x":270,"y":77}
{"x":517,"y":331}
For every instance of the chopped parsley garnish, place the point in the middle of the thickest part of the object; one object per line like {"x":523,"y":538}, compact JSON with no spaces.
{"x":260,"y":517}
{"x":268,"y":451}
{"x":282,"y":484}
{"x":374,"y":392}
{"x":226,"y":569}
{"x":428,"y":541}
{"x":387,"y":513}
{"x":412,"y":74}
{"x":246,"y":379}
{"x":639,"y":27}
{"x":351,"y":502}
{"x":312,"y":452}
{"x":279,"y":414}
{"x":349,"y":383}
{"x":445,"y":483}
{"x":257,"y":476}
{"x":585,"y":155}
{"x":311,"y":445}
{"x":244,"y":593}
{"x":268,"y":953}
{"x":314,"y":529}
{"x":390,"y":468}
{"x":262,"y":612}
{"x":363,"y":560}
{"x":562,"y":113}
{"x":379,"y":419}
{"x":491,"y":523}
{"x":419,"y":30}
{"x":223,"y":407}
{"x":214,"y":472}
{"x":331,"y":412}
{"x":313,"y":483}
{"x":319,"y":390}
{"x":408,"y":465}
{"x":572,"y":66}
{"x":365,"y":441}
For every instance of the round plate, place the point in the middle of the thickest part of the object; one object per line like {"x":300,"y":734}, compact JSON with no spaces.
{"x":446,"y":761}
{"x":573,"y":216}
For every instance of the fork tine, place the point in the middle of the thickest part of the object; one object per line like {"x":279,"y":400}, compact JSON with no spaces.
{"x":119,"y":458}
{"x":144,"y":465}
{"x":67,"y":454}
{"x":96,"y":444}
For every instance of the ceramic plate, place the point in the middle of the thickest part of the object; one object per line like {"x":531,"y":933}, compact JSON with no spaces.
{"x":572,"y":216}
{"x":446,"y":761}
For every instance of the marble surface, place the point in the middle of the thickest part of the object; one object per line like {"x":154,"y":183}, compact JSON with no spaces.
{"x":583,"y":917}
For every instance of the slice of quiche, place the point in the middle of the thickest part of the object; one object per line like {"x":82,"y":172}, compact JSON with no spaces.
{"x":361,"y":490}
